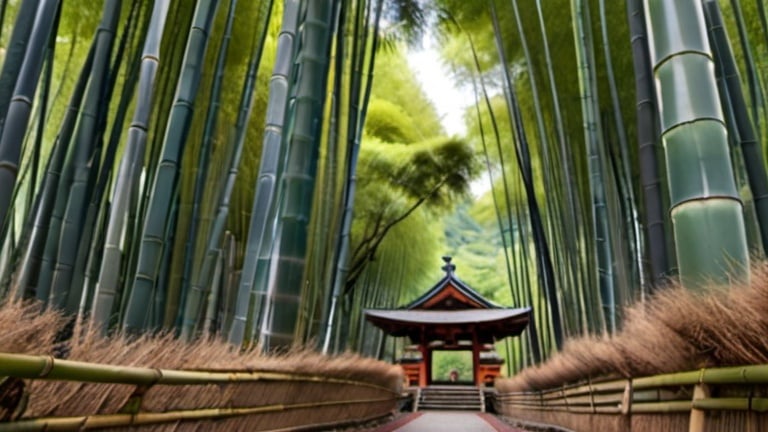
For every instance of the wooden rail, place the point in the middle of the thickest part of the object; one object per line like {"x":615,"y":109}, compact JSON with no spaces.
{"x":226,"y":400}
{"x":733,"y":398}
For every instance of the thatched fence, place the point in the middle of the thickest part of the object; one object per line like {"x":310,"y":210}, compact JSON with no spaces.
{"x":712,"y":332}
{"x":107,"y":396}
{"x":156,"y":382}
{"x":721,"y":399}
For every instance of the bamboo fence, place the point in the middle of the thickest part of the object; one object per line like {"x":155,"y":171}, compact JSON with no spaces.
{"x":717,"y":399}
{"x":159,"y":399}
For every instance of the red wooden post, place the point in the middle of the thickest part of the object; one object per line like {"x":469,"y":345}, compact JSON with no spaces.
{"x":476,"y":358}
{"x":426,"y":359}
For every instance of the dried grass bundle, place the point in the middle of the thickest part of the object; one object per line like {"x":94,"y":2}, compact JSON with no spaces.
{"x":31,"y":331}
{"x":27,"y":329}
{"x":676,"y":330}
{"x":165,"y":352}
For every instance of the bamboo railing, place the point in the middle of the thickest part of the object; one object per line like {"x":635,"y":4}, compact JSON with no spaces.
{"x":732,"y":398}
{"x":225,"y":400}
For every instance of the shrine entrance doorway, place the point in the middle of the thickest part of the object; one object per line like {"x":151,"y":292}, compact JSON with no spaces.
{"x":453,"y":367}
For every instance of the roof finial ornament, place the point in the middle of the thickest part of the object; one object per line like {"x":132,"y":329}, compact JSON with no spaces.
{"x":448,"y":267}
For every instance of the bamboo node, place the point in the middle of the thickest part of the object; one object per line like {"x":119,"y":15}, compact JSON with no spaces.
{"x":47,"y":367}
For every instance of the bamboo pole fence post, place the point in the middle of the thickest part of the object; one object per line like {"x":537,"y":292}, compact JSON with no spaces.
{"x":698,"y":422}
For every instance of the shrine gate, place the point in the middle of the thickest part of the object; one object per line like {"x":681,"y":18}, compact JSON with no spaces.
{"x":451,"y":316}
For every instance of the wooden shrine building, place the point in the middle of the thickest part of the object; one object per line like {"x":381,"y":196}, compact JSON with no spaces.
{"x":451,"y":316}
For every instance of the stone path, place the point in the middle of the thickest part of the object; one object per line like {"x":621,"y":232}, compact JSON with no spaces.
{"x":447,"y":421}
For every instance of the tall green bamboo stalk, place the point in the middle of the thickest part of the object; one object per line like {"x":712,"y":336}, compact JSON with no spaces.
{"x":743,"y":128}
{"x":554,"y":219}
{"x":354,"y":135}
{"x":129,"y":171}
{"x":595,"y":158}
{"x":25,"y":281}
{"x":647,"y":136}
{"x":35,"y":156}
{"x":575,"y":232}
{"x":89,"y":248}
{"x":20,"y":106}
{"x":543,"y":258}
{"x":624,"y":175}
{"x":297,"y":181}
{"x":496,"y":206}
{"x":203,"y":160}
{"x":85,"y":157}
{"x":706,"y":211}
{"x":165,"y":181}
{"x":14,"y":54}
{"x":199,"y":289}
{"x":249,"y":294}
{"x":756,"y":94}
{"x":533,"y":333}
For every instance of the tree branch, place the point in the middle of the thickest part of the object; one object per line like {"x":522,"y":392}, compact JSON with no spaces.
{"x":359,"y":261}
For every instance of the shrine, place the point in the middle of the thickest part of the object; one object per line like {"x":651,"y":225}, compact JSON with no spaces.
{"x":451,"y":316}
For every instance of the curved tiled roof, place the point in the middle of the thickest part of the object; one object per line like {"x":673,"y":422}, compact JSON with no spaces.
{"x":451,"y":311}
{"x":466,"y":316}
{"x":450,"y":280}
{"x":488,"y":325}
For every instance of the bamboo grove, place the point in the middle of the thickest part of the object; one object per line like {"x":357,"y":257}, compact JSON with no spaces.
{"x":263,"y":171}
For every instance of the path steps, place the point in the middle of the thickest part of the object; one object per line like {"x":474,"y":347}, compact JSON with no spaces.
{"x":450,"y":398}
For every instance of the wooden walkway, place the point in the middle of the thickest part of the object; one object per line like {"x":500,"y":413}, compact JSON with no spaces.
{"x":447,"y":421}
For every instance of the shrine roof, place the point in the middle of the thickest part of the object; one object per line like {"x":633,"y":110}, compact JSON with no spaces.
{"x":487,"y":325}
{"x":465,"y":316}
{"x":451,"y":293}
{"x":451,"y":311}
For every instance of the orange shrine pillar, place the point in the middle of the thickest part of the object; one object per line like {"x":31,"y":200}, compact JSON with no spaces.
{"x":476,"y":360}
{"x":426,"y":365}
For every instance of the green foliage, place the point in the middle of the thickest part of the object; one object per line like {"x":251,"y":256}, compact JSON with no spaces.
{"x":444,"y":362}
{"x":390,"y":123}
{"x":478,"y":253}
{"x":404,"y":163}
{"x":395,"y":180}
{"x":396,"y":83}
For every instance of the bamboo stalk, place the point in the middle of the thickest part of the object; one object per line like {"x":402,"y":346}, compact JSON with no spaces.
{"x":649,"y":395}
{"x":585,"y":400}
{"x":100,"y":421}
{"x":196,"y":225}
{"x":661,"y":407}
{"x":576,"y":410}
{"x":647,"y":141}
{"x":250,"y":295}
{"x":199,"y":288}
{"x":734,"y":105}
{"x":297,"y":181}
{"x":107,"y":290}
{"x":702,"y":189}
{"x":26,"y":278}
{"x":163,"y":186}
{"x":48,"y":367}
{"x":20,"y":106}
{"x":732,"y":404}
{"x":84,"y":159}
{"x":757,"y":374}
